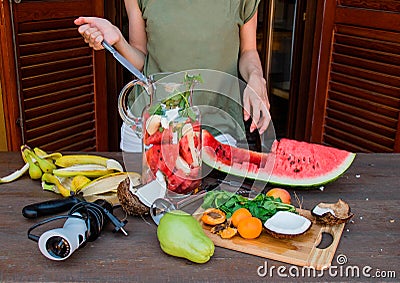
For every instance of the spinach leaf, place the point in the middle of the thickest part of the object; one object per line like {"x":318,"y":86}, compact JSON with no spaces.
{"x":262,"y":206}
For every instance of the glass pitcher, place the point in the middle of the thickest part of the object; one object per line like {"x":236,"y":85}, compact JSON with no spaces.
{"x":163,"y":116}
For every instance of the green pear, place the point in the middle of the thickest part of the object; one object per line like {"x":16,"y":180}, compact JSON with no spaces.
{"x":181,"y":235}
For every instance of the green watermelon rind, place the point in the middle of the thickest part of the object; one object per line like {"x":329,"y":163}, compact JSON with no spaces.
{"x":270,"y":178}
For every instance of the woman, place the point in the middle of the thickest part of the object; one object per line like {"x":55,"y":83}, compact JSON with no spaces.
{"x":171,"y":36}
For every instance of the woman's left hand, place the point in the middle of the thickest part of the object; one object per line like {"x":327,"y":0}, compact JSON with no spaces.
{"x":256,"y":103}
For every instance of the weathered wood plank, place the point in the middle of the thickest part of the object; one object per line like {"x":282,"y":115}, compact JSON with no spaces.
{"x":370,"y":186}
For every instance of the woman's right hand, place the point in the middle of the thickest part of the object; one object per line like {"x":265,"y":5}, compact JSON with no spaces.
{"x":95,"y":30}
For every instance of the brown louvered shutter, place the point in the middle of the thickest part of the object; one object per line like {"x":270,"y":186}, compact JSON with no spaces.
{"x":63,"y":103}
{"x":357,"y":97}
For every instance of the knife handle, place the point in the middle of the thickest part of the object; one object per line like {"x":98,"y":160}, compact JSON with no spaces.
{"x":49,"y":207}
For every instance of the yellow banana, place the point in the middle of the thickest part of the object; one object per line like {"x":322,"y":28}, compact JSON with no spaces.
{"x":78,"y":159}
{"x":34,"y":170}
{"x":46,"y":165}
{"x":88,"y":170}
{"x":49,"y":178}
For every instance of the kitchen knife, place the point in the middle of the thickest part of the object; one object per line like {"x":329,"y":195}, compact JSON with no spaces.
{"x":124,"y":62}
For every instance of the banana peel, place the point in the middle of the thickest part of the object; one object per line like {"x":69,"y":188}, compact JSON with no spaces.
{"x":109,"y":183}
{"x":109,"y":197}
{"x":88,"y":170}
{"x":47,"y":166}
{"x":15,"y":175}
{"x":102,"y":187}
{"x":88,"y":159}
{"x":51,"y":179}
{"x":78,"y":182}
{"x":39,"y":152}
{"x":73,"y":177}
{"x":65,"y":182}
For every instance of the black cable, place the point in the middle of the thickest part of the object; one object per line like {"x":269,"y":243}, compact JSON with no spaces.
{"x":36,"y":238}
{"x":94,"y":215}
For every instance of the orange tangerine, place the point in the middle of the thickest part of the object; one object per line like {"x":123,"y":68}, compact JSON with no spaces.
{"x":250,"y":227}
{"x":240,"y":214}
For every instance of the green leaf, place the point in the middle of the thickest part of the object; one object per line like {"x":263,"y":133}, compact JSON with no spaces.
{"x":155,"y":109}
{"x":208,"y":200}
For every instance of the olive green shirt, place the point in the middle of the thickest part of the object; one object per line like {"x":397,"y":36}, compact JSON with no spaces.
{"x":200,"y":34}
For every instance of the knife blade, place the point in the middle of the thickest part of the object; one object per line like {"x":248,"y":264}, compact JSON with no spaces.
{"x":124,"y":62}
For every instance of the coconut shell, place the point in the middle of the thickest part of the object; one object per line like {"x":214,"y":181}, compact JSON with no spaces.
{"x":130,"y":203}
{"x":285,"y":236}
{"x":341,"y":210}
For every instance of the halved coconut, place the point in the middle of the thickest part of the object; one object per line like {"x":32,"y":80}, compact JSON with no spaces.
{"x":286,"y":225}
{"x":151,"y":191}
{"x":332,"y":213}
{"x":130,"y":203}
{"x":136,"y":200}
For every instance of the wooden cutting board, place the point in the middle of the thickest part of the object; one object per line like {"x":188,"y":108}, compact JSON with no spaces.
{"x":302,"y":250}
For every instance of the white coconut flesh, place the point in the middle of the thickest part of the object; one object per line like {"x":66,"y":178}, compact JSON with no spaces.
{"x":322,"y":210}
{"x":340,"y":209}
{"x":287,"y":223}
{"x":151,"y":191}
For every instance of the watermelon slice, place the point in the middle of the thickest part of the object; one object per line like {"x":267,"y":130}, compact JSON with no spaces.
{"x":184,"y":149}
{"x":164,"y":157}
{"x":290,"y":162}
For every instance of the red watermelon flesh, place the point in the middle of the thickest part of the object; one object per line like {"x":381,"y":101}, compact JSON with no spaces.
{"x":163,"y":157}
{"x":305,"y":160}
{"x":159,"y":137}
{"x":230,"y":155}
{"x":184,"y":149}
{"x":290,"y":162}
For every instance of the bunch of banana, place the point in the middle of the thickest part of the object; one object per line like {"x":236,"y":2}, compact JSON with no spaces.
{"x":101,"y":187}
{"x":88,"y":174}
{"x":91,"y":166}
{"x":79,"y":172}
{"x":37,"y":161}
{"x":37,"y":165}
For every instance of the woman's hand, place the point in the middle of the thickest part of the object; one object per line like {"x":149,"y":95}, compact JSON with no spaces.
{"x":256,"y":104}
{"x":255,"y":98}
{"x":95,"y":30}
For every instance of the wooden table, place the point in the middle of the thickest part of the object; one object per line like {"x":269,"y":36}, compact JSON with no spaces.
{"x":370,"y":243}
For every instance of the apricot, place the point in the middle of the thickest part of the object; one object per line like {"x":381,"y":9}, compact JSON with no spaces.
{"x":280,"y":193}
{"x":213,"y":216}
{"x":249,"y":228}
{"x":240,"y":214}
